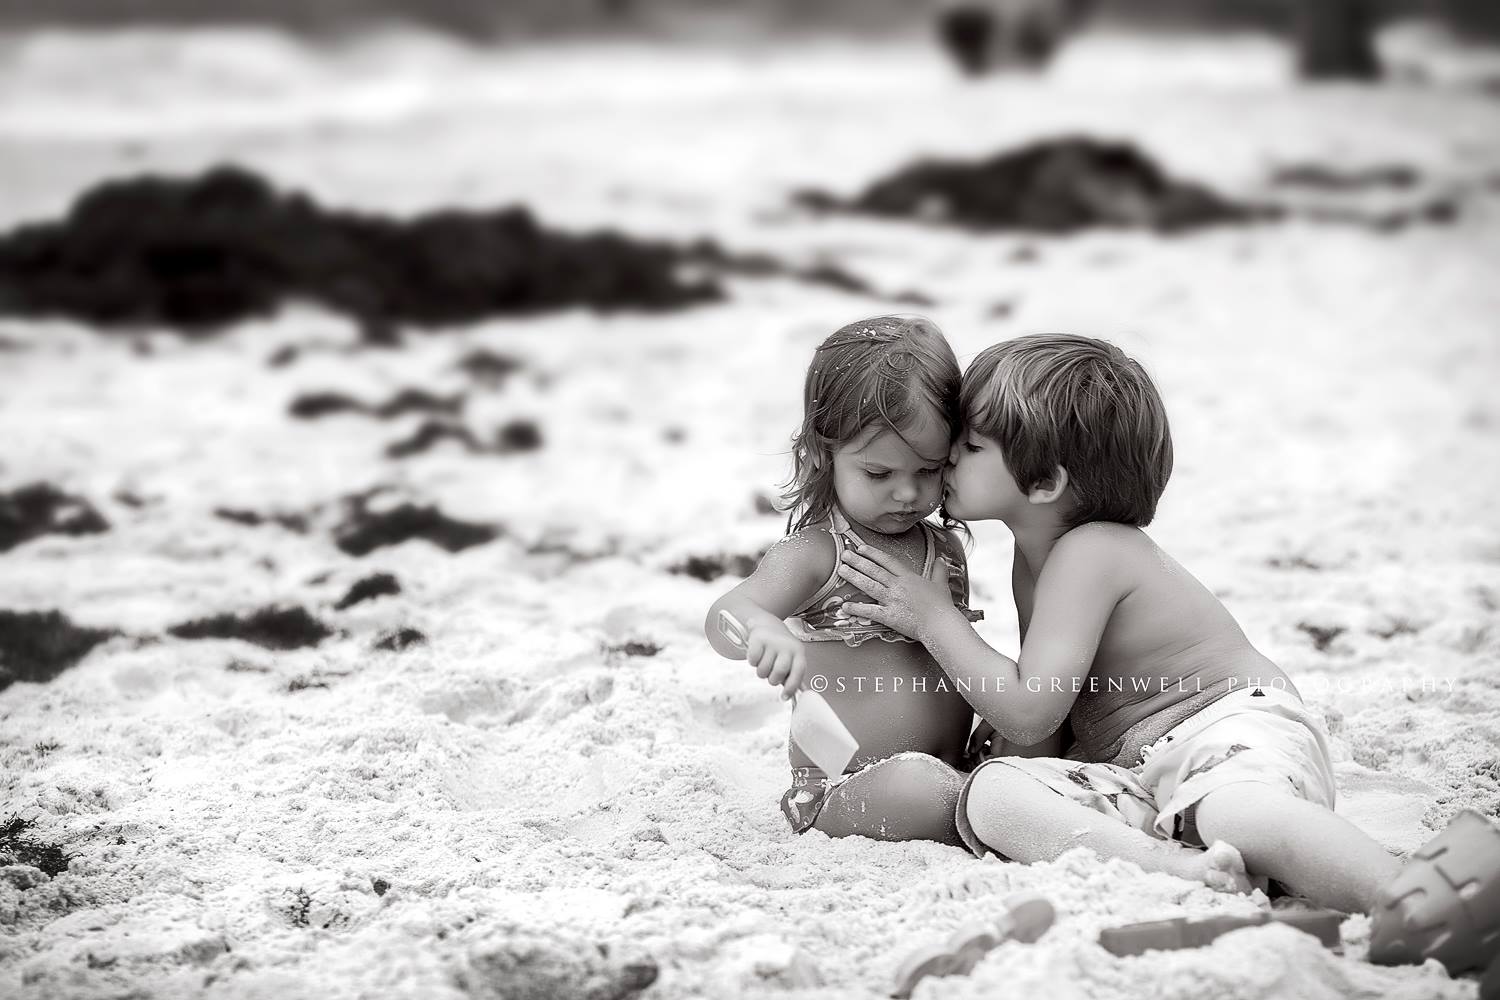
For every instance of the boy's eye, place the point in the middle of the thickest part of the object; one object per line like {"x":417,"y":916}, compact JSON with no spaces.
{"x":928,"y":472}
{"x":877,"y":475}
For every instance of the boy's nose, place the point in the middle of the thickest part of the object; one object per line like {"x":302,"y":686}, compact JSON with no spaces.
{"x":953,"y":453}
{"x":904,"y":492}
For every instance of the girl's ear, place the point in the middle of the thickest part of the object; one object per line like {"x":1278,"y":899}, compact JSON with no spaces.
{"x":1050,"y":489}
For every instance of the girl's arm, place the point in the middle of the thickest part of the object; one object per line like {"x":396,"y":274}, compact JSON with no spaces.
{"x":791,"y":571}
{"x":1024,"y":700}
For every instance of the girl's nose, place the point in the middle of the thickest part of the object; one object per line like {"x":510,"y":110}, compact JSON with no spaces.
{"x":953,"y":454}
{"x":904,"y":492}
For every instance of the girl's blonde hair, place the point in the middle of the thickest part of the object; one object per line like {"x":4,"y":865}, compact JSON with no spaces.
{"x":887,"y":369}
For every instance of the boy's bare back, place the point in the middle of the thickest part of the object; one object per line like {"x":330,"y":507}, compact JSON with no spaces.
{"x":1166,"y":648}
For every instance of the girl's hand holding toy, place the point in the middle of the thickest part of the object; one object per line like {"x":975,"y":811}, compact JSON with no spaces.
{"x":777,"y":657}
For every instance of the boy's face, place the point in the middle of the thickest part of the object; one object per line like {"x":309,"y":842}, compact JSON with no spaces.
{"x":979,"y":486}
{"x":888,"y":484}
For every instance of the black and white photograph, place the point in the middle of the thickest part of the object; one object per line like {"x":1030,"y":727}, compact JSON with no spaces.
{"x":697,"y":499}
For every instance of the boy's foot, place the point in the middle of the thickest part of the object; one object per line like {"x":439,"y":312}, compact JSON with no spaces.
{"x":1219,"y":867}
{"x":1445,"y":904}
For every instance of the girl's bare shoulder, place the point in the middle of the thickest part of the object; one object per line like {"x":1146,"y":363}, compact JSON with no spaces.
{"x":808,"y":549}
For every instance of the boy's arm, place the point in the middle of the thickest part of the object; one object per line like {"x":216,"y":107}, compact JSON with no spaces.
{"x":1022,"y":591}
{"x":1025,"y":701}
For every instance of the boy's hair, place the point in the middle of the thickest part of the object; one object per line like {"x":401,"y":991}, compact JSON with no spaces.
{"x":888,"y":370}
{"x":1083,"y":404}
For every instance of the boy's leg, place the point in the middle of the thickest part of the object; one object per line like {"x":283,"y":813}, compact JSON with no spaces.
{"x":907,"y":797}
{"x":1305,"y":846}
{"x":1024,"y":820}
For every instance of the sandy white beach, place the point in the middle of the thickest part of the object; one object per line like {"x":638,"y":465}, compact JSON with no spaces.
{"x":563,"y":786}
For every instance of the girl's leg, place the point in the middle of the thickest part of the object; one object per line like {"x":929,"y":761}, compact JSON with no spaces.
{"x":1024,"y":820}
{"x":1304,"y":846}
{"x":907,"y":797}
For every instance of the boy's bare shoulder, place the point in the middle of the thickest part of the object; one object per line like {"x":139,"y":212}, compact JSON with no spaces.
{"x":1106,"y":544}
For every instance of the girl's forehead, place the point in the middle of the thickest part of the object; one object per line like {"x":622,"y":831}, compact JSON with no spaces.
{"x":924,"y":443}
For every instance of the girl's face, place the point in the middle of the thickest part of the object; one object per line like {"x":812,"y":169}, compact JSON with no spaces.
{"x":887,"y":483}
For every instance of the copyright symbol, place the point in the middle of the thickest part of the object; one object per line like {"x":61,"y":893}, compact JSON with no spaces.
{"x":819,"y":683}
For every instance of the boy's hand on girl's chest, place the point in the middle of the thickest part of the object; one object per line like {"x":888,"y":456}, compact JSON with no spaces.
{"x":911,"y":552}
{"x":906,"y":599}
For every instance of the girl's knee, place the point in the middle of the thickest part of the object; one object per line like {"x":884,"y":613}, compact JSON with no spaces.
{"x":910,"y":797}
{"x":915,"y":775}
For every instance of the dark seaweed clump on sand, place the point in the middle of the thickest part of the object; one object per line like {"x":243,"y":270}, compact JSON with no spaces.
{"x":710,"y":568}
{"x":38,"y":645}
{"x":635,"y":647}
{"x":1317,"y":176}
{"x":1054,"y":186}
{"x":251,"y":518}
{"x":515,"y":436}
{"x":270,"y":628}
{"x":316,"y":405}
{"x":43,"y":509}
{"x":397,"y":640}
{"x":313,"y":405}
{"x":518,"y":435}
{"x":373,"y":586}
{"x":202,"y":252}
{"x":489,"y":368}
{"x":19,"y":847}
{"x":363,"y":531}
{"x":430,"y":433}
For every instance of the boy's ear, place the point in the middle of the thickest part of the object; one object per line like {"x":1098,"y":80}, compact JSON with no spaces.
{"x":1050,"y":489}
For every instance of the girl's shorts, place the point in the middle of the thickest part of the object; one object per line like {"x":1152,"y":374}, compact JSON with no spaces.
{"x":1261,"y":735}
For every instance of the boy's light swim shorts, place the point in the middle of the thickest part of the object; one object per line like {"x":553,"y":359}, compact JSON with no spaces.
{"x":1264,"y":735}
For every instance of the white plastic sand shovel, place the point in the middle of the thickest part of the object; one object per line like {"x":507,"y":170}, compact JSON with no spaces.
{"x":815,"y":725}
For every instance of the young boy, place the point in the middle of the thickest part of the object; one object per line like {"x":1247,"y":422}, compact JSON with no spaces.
{"x":1185,"y":734}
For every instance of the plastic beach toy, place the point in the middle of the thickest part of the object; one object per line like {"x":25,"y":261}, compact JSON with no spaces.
{"x":1445,"y":904}
{"x":1026,"y":917}
{"x":1184,"y":932}
{"x":816,"y":727}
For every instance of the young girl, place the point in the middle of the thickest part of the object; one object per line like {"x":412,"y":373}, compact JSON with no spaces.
{"x":880,"y":414}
